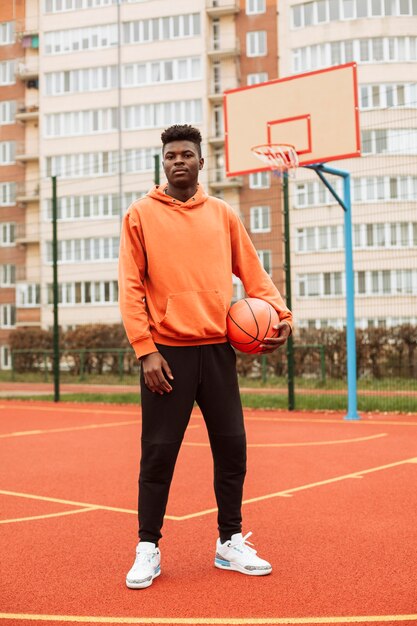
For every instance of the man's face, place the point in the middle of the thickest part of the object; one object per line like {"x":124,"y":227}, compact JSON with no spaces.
{"x":182,"y":163}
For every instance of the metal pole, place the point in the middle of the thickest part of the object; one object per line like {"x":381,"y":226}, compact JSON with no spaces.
{"x":157,"y":166}
{"x":352,"y":413}
{"x":119,"y":110}
{"x":55,"y":287}
{"x":288,"y":297}
{"x":322,"y":364}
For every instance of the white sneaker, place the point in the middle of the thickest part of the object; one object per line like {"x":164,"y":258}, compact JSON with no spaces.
{"x":236,"y":554}
{"x":146,"y":567}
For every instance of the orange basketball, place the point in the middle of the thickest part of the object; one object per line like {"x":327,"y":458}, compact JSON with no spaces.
{"x":249,"y":321}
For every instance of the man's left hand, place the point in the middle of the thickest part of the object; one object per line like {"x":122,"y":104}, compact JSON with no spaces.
{"x":270,"y":344}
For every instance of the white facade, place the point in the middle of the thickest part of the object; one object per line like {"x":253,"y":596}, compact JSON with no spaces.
{"x":140,"y":66}
{"x":381,"y":38}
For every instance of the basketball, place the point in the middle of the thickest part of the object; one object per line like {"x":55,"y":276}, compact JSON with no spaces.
{"x":249,"y":321}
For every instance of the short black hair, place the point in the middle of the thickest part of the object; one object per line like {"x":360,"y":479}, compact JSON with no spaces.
{"x":182,"y":132}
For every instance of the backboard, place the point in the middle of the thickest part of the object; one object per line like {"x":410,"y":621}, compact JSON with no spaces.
{"x":317,"y":112}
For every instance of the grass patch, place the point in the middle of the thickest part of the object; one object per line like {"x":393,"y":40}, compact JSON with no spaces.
{"x":385,"y":384}
{"x":390,"y":404}
{"x":67,"y":378}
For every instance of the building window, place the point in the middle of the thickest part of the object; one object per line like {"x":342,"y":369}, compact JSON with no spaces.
{"x":7,"y":316}
{"x":265,"y":257}
{"x":7,"y":194}
{"x":164,"y":71}
{"x":259,"y":180}
{"x":320,"y":11}
{"x":314,"y":193}
{"x":217,"y":80}
{"x":76,"y":123}
{"x":238,"y":289}
{"x":83,"y":165}
{"x":7,"y":234}
{"x":387,"y":141}
{"x":219,"y":171}
{"x":6,"y":33}
{"x":162,"y":114}
{"x":84,"y":207}
{"x":81,"y":80}
{"x":260,"y":219}
{"x":218,"y":120}
{"x":89,"y":292}
{"x":255,"y":6}
{"x":140,"y":159}
{"x":79,"y":250}
{"x":28,"y":296}
{"x":58,"y":6}
{"x":7,"y":275}
{"x":5,"y":358}
{"x":81,"y":39}
{"x":258,"y":78}
{"x":367,"y":50}
{"x":215,"y":33}
{"x":367,"y":283}
{"x":7,"y":76}
{"x":162,"y":28}
{"x":7,"y":112}
{"x":7,"y":152}
{"x":256,"y":43}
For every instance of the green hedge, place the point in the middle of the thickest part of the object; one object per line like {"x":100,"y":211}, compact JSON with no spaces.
{"x":381,"y":352}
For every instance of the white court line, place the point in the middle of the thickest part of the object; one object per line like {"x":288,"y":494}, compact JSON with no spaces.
{"x":223,"y":621}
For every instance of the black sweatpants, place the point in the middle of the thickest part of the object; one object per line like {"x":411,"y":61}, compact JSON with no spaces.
{"x":205,"y":374}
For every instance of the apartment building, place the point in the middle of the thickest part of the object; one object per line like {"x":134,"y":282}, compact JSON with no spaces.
{"x":12,"y":172}
{"x":380,"y":36}
{"x":111,"y":77}
{"x":87,"y":86}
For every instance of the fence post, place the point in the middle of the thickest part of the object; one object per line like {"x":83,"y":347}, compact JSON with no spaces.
{"x":12,"y":364}
{"x":121,"y":358}
{"x":263,"y":367}
{"x":45,"y":366}
{"x":82,"y":358}
{"x":322,"y":363}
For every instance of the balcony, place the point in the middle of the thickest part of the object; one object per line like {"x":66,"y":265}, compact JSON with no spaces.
{"x":221,"y":183}
{"x":27,"y":71}
{"x":26,"y":234}
{"x":28,"y":27}
{"x":27,"y":193}
{"x":217,"y":8}
{"x":25,"y":153}
{"x":217,"y":89}
{"x":26,"y":113}
{"x":224,"y":48}
{"x":217,"y":140}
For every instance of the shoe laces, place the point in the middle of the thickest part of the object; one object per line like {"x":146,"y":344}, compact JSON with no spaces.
{"x":243,"y":544}
{"x":145,"y":556}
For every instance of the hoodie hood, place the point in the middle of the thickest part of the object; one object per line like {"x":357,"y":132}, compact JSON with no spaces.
{"x":157,"y":193}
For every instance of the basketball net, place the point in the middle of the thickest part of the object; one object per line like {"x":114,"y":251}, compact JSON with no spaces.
{"x":280,"y":157}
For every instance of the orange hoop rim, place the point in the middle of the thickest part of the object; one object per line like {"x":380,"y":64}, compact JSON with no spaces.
{"x":279,"y":156}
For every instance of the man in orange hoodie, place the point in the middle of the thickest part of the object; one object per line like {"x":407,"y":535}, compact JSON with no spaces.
{"x":179,"y":249}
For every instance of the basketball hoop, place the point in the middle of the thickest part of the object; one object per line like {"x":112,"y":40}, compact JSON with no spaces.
{"x":280,"y":157}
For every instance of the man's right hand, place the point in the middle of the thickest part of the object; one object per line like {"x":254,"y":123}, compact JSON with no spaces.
{"x":154,"y":368}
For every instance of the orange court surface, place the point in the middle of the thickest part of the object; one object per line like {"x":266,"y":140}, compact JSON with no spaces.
{"x":332,"y":504}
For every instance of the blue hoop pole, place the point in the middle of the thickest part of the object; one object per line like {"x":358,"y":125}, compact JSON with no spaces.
{"x":320,"y":169}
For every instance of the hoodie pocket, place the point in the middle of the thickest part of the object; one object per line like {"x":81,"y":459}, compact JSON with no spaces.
{"x":194,"y":315}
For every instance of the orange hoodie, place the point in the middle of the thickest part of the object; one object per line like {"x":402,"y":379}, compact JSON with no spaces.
{"x":175,"y":270}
